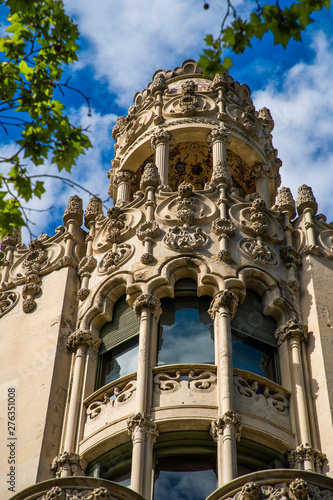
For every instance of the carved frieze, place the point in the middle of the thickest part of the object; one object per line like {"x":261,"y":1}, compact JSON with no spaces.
{"x":189,"y":103}
{"x":204,"y":381}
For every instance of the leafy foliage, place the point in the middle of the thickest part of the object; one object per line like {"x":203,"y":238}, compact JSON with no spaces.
{"x":284,"y":24}
{"x":40,"y":42}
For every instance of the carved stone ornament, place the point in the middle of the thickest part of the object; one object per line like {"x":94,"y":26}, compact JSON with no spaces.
{"x":223,"y":228}
{"x":150,"y":176}
{"x":161,"y":136}
{"x":146,"y":258}
{"x":8,"y":301}
{"x":147,"y":302}
{"x":304,"y":452}
{"x":11,"y":240}
{"x":168,"y":383}
{"x":258,"y":218}
{"x":223,"y":255}
{"x":69,"y":462}
{"x":298,"y":489}
{"x":113,"y":260}
{"x":122,"y":394}
{"x":86,"y":265}
{"x":93,"y":210}
{"x":73,"y":211}
{"x":262,"y":170}
{"x":148,"y":230}
{"x":81,"y":338}
{"x":291,"y":257}
{"x":286,"y":202}
{"x":221,"y":174}
{"x":219,"y":134}
{"x":122,"y":177}
{"x":185,"y":239}
{"x":100,"y":493}
{"x":220,"y":80}
{"x":259,"y":253}
{"x":229,"y":419}
{"x":265,"y":116}
{"x":250,"y":491}
{"x":306,"y":199}
{"x":292,"y":328}
{"x":226,"y":300}
{"x":159,"y":83}
{"x":115,"y":224}
{"x":56,"y":493}
{"x":188,"y":102}
{"x":143,"y":423}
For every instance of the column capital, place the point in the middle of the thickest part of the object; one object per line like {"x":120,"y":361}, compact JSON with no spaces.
{"x":291,"y":329}
{"x":219,"y":134}
{"x":68,"y":464}
{"x":143,"y":422}
{"x":304,"y":452}
{"x":122,"y":176}
{"x":82,"y":338}
{"x":148,"y":302}
{"x":225,"y":299}
{"x":161,"y":136}
{"x":262,"y":170}
{"x":228,"y":419}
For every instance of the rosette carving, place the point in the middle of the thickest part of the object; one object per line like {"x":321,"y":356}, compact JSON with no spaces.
{"x":148,"y":229}
{"x":223,"y":228}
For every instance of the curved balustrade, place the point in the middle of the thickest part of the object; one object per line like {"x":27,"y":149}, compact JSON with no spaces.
{"x":273,"y":484}
{"x":261,"y":397}
{"x":77,"y":488}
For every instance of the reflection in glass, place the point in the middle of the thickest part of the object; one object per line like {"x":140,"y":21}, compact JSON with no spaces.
{"x":120,"y":361}
{"x":184,"y":477}
{"x":186,"y":333}
{"x":252,"y":355}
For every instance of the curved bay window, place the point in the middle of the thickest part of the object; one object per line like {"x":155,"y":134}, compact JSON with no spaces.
{"x":118,"y":354}
{"x":186,"y":331}
{"x":254,"y":346}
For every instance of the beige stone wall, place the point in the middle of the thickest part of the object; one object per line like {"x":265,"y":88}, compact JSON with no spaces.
{"x":34,"y":359}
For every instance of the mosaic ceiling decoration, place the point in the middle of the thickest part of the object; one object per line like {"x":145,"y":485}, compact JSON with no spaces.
{"x":193,"y":162}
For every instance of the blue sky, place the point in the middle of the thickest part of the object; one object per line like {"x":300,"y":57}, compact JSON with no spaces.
{"x":125,"y":42}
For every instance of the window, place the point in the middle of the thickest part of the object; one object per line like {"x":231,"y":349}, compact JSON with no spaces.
{"x":185,"y":466}
{"x":186,"y":331}
{"x":254,"y":346}
{"x":115,"y":465}
{"x":253,"y":456}
{"x":118,"y":355}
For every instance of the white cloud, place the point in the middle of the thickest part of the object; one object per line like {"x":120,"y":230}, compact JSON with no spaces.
{"x":302,"y":108}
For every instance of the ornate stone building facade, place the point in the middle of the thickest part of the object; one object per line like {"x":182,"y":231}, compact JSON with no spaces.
{"x":181,"y":344}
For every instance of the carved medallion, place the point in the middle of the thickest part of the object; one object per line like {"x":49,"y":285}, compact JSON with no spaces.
{"x":186,"y":238}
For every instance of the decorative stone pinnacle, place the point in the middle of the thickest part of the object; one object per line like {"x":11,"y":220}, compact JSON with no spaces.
{"x":264,"y":114}
{"x":292,"y":328}
{"x":93,"y":210}
{"x":150,"y":176}
{"x":161,"y":136}
{"x":225,"y":299}
{"x":228,"y":419}
{"x":74,"y":210}
{"x":142,"y":422}
{"x":221,"y":80}
{"x":81,"y":338}
{"x":306,"y":199}
{"x":11,"y":240}
{"x":149,"y":302}
{"x":71,"y":463}
{"x":159,"y":83}
{"x":220,"y":134}
{"x":286,"y":202}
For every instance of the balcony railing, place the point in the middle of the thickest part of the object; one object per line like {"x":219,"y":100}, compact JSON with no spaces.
{"x":78,"y":488}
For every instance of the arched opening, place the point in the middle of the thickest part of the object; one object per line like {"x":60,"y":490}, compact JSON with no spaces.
{"x":186,"y":331}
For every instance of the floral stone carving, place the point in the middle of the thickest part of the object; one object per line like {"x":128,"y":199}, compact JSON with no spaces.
{"x":260,"y":254}
{"x":113,"y":260}
{"x":186,"y":238}
{"x":71,"y":463}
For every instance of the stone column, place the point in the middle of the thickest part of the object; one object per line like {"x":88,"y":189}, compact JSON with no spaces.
{"x":158,"y":88}
{"x":262,"y":173}
{"x":219,"y":138}
{"x":8,"y":245}
{"x":307,"y":205}
{"x":160,"y":141}
{"x":141,"y":426}
{"x":296,"y":334}
{"x":78,"y":342}
{"x":226,"y":429}
{"x":122,"y":182}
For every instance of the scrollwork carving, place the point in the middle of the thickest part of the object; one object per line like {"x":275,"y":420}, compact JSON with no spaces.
{"x":113,"y":260}
{"x":166,"y":382}
{"x":8,"y":301}
{"x":121,"y":396}
{"x":223,"y":228}
{"x":261,"y":254}
{"x":186,"y":238}
{"x":86,"y":265}
{"x":203,"y":381}
{"x":148,"y":229}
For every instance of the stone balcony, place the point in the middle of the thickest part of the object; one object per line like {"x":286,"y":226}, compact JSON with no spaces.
{"x":77,"y":488}
{"x":277,"y":484}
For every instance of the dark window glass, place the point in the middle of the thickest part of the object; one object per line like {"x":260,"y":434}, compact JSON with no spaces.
{"x":184,"y":477}
{"x":253,"y":342}
{"x":186,"y":332}
{"x":120,"y":361}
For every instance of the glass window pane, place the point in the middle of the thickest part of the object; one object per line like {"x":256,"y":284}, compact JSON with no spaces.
{"x":186,"y":332}
{"x":120,"y":361}
{"x":252,"y":355}
{"x":187,"y":478}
